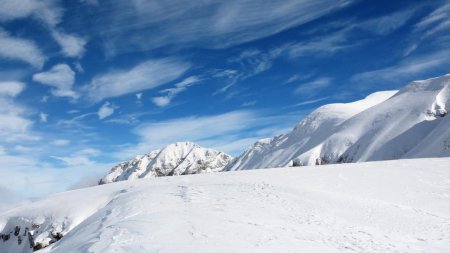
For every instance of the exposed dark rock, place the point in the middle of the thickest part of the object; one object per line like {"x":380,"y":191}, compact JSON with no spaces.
{"x":57,"y":235}
{"x":30,"y":239}
{"x":16,"y":230}
{"x":296,"y":163}
{"x":38,"y":246}
{"x":6,"y":237}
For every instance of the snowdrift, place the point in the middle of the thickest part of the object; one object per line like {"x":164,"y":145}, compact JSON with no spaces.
{"x":388,"y":206}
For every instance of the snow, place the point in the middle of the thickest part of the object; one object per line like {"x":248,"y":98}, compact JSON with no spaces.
{"x":180,"y":158}
{"x":387,"y":206}
{"x":410,"y":123}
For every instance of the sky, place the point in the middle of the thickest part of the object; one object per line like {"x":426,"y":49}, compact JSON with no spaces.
{"x":85,"y":84}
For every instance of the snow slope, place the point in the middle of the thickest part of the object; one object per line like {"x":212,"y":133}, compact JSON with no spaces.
{"x":388,"y":206}
{"x":386,"y":125}
{"x":181,"y":158}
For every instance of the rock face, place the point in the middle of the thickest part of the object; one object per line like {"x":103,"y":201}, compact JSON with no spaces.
{"x":22,"y":234}
{"x":181,"y":158}
{"x":409,"y":123}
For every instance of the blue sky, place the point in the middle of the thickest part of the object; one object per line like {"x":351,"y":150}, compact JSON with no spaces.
{"x":86,"y":84}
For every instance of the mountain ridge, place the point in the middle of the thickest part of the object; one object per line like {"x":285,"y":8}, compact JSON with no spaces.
{"x":180,"y":158}
{"x":409,"y":123}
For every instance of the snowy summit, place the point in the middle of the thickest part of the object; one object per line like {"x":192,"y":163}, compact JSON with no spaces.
{"x":181,"y":158}
{"x":388,"y":125}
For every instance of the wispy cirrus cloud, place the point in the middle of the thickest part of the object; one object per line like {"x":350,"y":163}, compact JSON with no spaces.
{"x":437,"y":21}
{"x":230,"y":132}
{"x":146,"y":75}
{"x":211,"y":24}
{"x":410,"y":67}
{"x":338,"y":35}
{"x":312,"y":88}
{"x":171,"y":93}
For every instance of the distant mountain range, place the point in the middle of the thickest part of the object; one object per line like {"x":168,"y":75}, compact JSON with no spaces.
{"x":410,"y":123}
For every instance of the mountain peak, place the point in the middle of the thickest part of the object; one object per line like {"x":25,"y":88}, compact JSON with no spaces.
{"x":179,"y":158}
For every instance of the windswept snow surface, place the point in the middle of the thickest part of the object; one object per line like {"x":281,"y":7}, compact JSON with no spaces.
{"x":181,"y":158}
{"x":411,"y":123}
{"x":388,"y":206}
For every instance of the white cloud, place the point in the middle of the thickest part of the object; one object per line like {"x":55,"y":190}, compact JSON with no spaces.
{"x":139,"y":96}
{"x":147,"y":75}
{"x":11,"y":123}
{"x":161,"y":101}
{"x":211,"y":24}
{"x":388,"y":23}
{"x":252,"y":62}
{"x":11,"y":88}
{"x":20,"y":148}
{"x":61,"y":77}
{"x":436,"y":21}
{"x":43,"y":117}
{"x":12,"y":48}
{"x":41,"y":179}
{"x":90,"y":152}
{"x":320,"y":46}
{"x":74,"y":160}
{"x":314,"y":87}
{"x":72,"y":45}
{"x":171,"y":93}
{"x":14,"y":124}
{"x":308,"y":102}
{"x":106,"y":110}
{"x":46,"y":11}
{"x":60,"y":142}
{"x":79,"y":158}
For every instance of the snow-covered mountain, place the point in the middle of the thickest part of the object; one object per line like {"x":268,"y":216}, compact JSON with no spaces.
{"x":387,"y":125}
{"x":181,"y":158}
{"x":387,"y":206}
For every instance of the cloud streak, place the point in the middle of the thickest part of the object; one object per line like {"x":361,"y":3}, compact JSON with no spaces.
{"x":407,"y":68}
{"x":314,"y":87}
{"x":146,"y":75}
{"x":231,"y":132}
{"x":209,"y":24}
{"x":171,"y":93}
